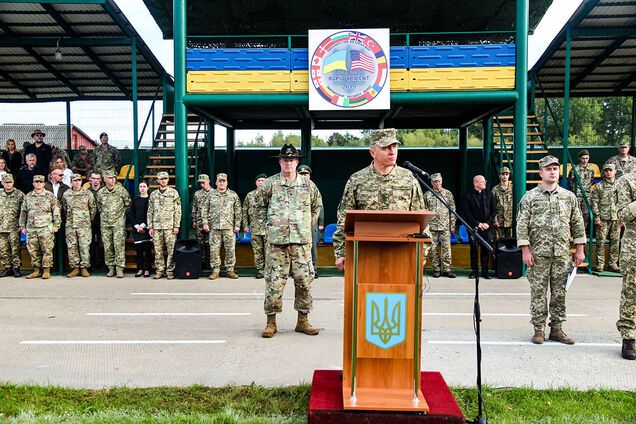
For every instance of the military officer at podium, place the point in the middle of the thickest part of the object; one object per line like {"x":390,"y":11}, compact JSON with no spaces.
{"x":383,"y":185}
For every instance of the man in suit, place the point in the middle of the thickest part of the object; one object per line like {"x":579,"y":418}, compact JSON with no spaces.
{"x":55,"y":184}
{"x":479,"y":212}
{"x":58,"y":188}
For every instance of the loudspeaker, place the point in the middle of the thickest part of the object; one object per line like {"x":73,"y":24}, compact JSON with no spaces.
{"x":508,"y":261}
{"x":187,"y":257}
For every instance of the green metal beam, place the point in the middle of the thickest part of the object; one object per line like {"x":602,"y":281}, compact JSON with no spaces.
{"x":566,"y":105}
{"x":633,"y":141}
{"x":463,"y":160}
{"x":521,"y":106}
{"x":488,"y":140}
{"x":305,"y":140}
{"x":180,"y":112}
{"x":209,"y":145}
{"x":231,"y":156}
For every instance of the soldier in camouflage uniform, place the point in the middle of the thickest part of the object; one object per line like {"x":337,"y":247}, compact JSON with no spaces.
{"x":113,"y":202}
{"x":316,"y":227}
{"x":586,"y":174}
{"x":381,"y":186}
{"x":164,"y":220}
{"x":292,"y":206}
{"x":606,"y":219}
{"x":548,"y":217}
{"x":503,"y":198}
{"x":200,"y":197}
{"x":626,"y":205}
{"x":40,"y":219}
{"x":79,"y":207}
{"x":254,"y":220}
{"x":221,"y":217}
{"x":105,"y":157}
{"x":625,"y":163}
{"x":10,"y":204}
{"x":441,"y":227}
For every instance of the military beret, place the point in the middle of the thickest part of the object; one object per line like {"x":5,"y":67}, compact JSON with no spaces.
{"x":38,"y":178}
{"x":260,"y":176}
{"x":436,"y":177}
{"x":76,"y":177}
{"x":103,"y":135}
{"x":384,"y":137}
{"x":548,"y":160}
{"x":623,"y":144}
{"x":7,"y":178}
{"x":162,"y":174}
{"x":203,"y":177}
{"x":304,"y":169}
{"x":583,"y":153}
{"x":504,"y":169}
{"x":609,"y":166}
{"x":221,"y":177}
{"x":109,"y":173}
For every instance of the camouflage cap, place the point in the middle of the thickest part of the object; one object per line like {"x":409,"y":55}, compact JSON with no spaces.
{"x":436,"y":177}
{"x":260,"y":176}
{"x":583,"y":153}
{"x":504,"y":169}
{"x":384,"y":137}
{"x":76,"y":177}
{"x":548,"y":160}
{"x":304,"y":169}
{"x":38,"y":178}
{"x":162,"y":174}
{"x":609,"y":166}
{"x":623,"y":144}
{"x":109,"y":173}
{"x":7,"y":178}
{"x":203,"y":178}
{"x":221,"y":177}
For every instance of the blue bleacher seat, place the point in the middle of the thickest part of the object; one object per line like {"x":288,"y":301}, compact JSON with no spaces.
{"x":328,"y":235}
{"x":453,"y":238}
{"x":463,"y":234}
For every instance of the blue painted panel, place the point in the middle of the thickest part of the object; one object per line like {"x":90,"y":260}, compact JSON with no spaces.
{"x":462,"y":56}
{"x":399,"y":58}
{"x":237,"y":59}
{"x":299,"y":60}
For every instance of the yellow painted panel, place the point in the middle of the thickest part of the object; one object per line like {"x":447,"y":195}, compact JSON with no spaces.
{"x":484,"y":78}
{"x":299,"y":81}
{"x":238,"y":82}
{"x":399,"y":79}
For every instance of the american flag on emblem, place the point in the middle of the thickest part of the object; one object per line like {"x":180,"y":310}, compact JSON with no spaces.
{"x":361,"y":61}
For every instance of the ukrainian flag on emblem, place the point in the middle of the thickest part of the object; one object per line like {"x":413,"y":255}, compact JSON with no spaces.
{"x":335,"y":61}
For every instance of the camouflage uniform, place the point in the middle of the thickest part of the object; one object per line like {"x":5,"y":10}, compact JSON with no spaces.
{"x":10,"y":205}
{"x":201,"y":197}
{"x":292,"y":208}
{"x":604,"y":208}
{"x":626,"y":205}
{"x":503,"y":199}
{"x":39,"y":214}
{"x":113,"y":207}
{"x":255,"y":217}
{"x":623,"y":166}
{"x":106,"y":157}
{"x":164,"y":214}
{"x":79,"y":207}
{"x":222,"y":212}
{"x":586,"y":174}
{"x":440,"y":226}
{"x":545,"y":223}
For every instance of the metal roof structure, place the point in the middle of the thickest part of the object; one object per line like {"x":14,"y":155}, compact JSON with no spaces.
{"x":96,"y":43}
{"x":603,"y":52}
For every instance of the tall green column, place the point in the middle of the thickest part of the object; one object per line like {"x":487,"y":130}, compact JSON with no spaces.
{"x":488,"y":145}
{"x":521,"y":105}
{"x":305,"y":140}
{"x":463,"y":160}
{"x":209,"y":145}
{"x":566,"y":106}
{"x":133,"y":54}
{"x":180,"y":112}
{"x":231,"y":158}
{"x":69,"y":134}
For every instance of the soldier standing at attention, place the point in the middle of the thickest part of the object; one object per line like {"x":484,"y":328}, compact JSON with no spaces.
{"x":254,"y":220}
{"x":441,"y":227}
{"x":164,"y":221}
{"x":105,"y":157}
{"x":548,"y":217}
{"x":200,"y":197}
{"x":79,"y":207}
{"x":97,"y":247}
{"x":503,"y":199}
{"x":606,"y":219}
{"x":586,"y":174}
{"x":292,"y":206}
{"x":626,"y":205}
{"x":113,"y":202}
{"x":221,"y":217}
{"x":10,"y":204}
{"x":40,"y":219}
{"x":316,"y":227}
{"x":625,"y":163}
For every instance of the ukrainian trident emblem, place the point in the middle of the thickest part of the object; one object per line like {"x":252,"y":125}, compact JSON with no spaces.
{"x":385,"y":319}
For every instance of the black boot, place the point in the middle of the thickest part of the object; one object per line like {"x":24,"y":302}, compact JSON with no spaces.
{"x":628,"y":351}
{"x":6,"y":272}
{"x":17,"y":273}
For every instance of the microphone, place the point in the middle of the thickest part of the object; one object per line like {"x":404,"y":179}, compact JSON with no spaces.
{"x":414,"y":169}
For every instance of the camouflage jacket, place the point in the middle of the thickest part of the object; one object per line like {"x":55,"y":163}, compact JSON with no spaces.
{"x":603,"y":199}
{"x":368,"y":190}
{"x":40,"y":211}
{"x":254,"y":215}
{"x":444,"y":220}
{"x":503,"y":199}
{"x":164,"y":209}
{"x":222,"y":211}
{"x":113,"y":205}
{"x":199,"y":198}
{"x":79,"y":207}
{"x":81,"y":164}
{"x":105,"y":158}
{"x":626,"y":204}
{"x":623,"y":166}
{"x":547,"y":220}
{"x":586,"y":174}
{"x":10,"y":205}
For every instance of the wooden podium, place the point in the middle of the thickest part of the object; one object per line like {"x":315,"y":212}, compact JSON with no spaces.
{"x":382,"y":310}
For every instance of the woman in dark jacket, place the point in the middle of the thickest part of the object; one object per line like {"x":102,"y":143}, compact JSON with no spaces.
{"x":143,"y":242}
{"x":13,"y":157}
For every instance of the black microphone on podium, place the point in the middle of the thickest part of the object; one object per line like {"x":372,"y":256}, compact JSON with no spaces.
{"x":408,"y":165}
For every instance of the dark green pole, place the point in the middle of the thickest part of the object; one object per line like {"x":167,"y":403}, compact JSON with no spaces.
{"x":566,"y":106}
{"x":133,"y":49}
{"x":531,"y":89}
{"x":305,"y":140}
{"x":633,"y":123}
{"x":209,"y":145}
{"x":230,"y":157}
{"x":521,"y":105}
{"x":69,"y":134}
{"x":488,"y":145}
{"x":463,"y":160}
{"x":180,"y":112}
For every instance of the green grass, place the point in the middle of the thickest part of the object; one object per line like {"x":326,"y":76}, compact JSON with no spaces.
{"x":259,"y":405}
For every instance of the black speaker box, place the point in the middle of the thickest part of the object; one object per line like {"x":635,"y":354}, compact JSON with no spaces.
{"x":508,"y":262}
{"x":187,"y":257}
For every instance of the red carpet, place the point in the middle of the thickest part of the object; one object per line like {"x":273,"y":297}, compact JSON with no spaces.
{"x":325,"y":403}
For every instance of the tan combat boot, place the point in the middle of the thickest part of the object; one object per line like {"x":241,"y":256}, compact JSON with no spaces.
{"x":557,"y":335}
{"x":303,"y":325}
{"x":270,"y":328}
{"x":46,"y":274}
{"x":74,"y":273}
{"x":233,"y":275}
{"x":170,"y":275}
{"x":35,"y":274}
{"x":120,"y":272}
{"x":214,"y":275}
{"x":111,"y":271}
{"x":539,"y":336}
{"x":85,"y":272}
{"x":157,"y":276}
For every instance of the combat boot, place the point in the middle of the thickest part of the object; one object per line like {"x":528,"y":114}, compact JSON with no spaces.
{"x":120,"y":272}
{"x":111,"y":271}
{"x":17,"y":273}
{"x":170,"y":275}
{"x":74,"y":273}
{"x":539,"y":336}
{"x":270,"y":328}
{"x":85,"y":272}
{"x":628,"y":351}
{"x":214,"y":275}
{"x":157,"y":275}
{"x":6,"y":272}
{"x":259,"y":275}
{"x":233,"y":275}
{"x":615,"y":269}
{"x":35,"y":274}
{"x":303,"y":325}
{"x":46,"y":274}
{"x":557,"y":335}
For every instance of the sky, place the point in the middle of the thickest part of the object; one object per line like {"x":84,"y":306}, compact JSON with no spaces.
{"x":116,"y":117}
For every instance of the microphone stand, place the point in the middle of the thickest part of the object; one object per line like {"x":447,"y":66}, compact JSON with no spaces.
{"x":476,"y":240}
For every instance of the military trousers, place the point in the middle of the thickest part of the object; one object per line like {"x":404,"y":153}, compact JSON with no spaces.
{"x":548,"y":272}
{"x":227,"y":238}
{"x":204,"y":245}
{"x":440,"y":253}
{"x":164,"y":239}
{"x":283,"y":260}
{"x":40,"y":243}
{"x":78,"y":241}
{"x":609,"y":230}
{"x":258,"y":247}
{"x":584,"y":211}
{"x":10,"y":249}
{"x":315,"y":236}
{"x":626,"y":323}
{"x":114,"y":240}
{"x":503,"y":232}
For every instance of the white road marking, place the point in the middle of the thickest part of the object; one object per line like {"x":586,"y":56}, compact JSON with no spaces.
{"x":117,"y":342}
{"x":197,"y":294}
{"x":473,"y":294}
{"x":469,"y":314}
{"x":497,"y":343}
{"x":167,"y":314}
